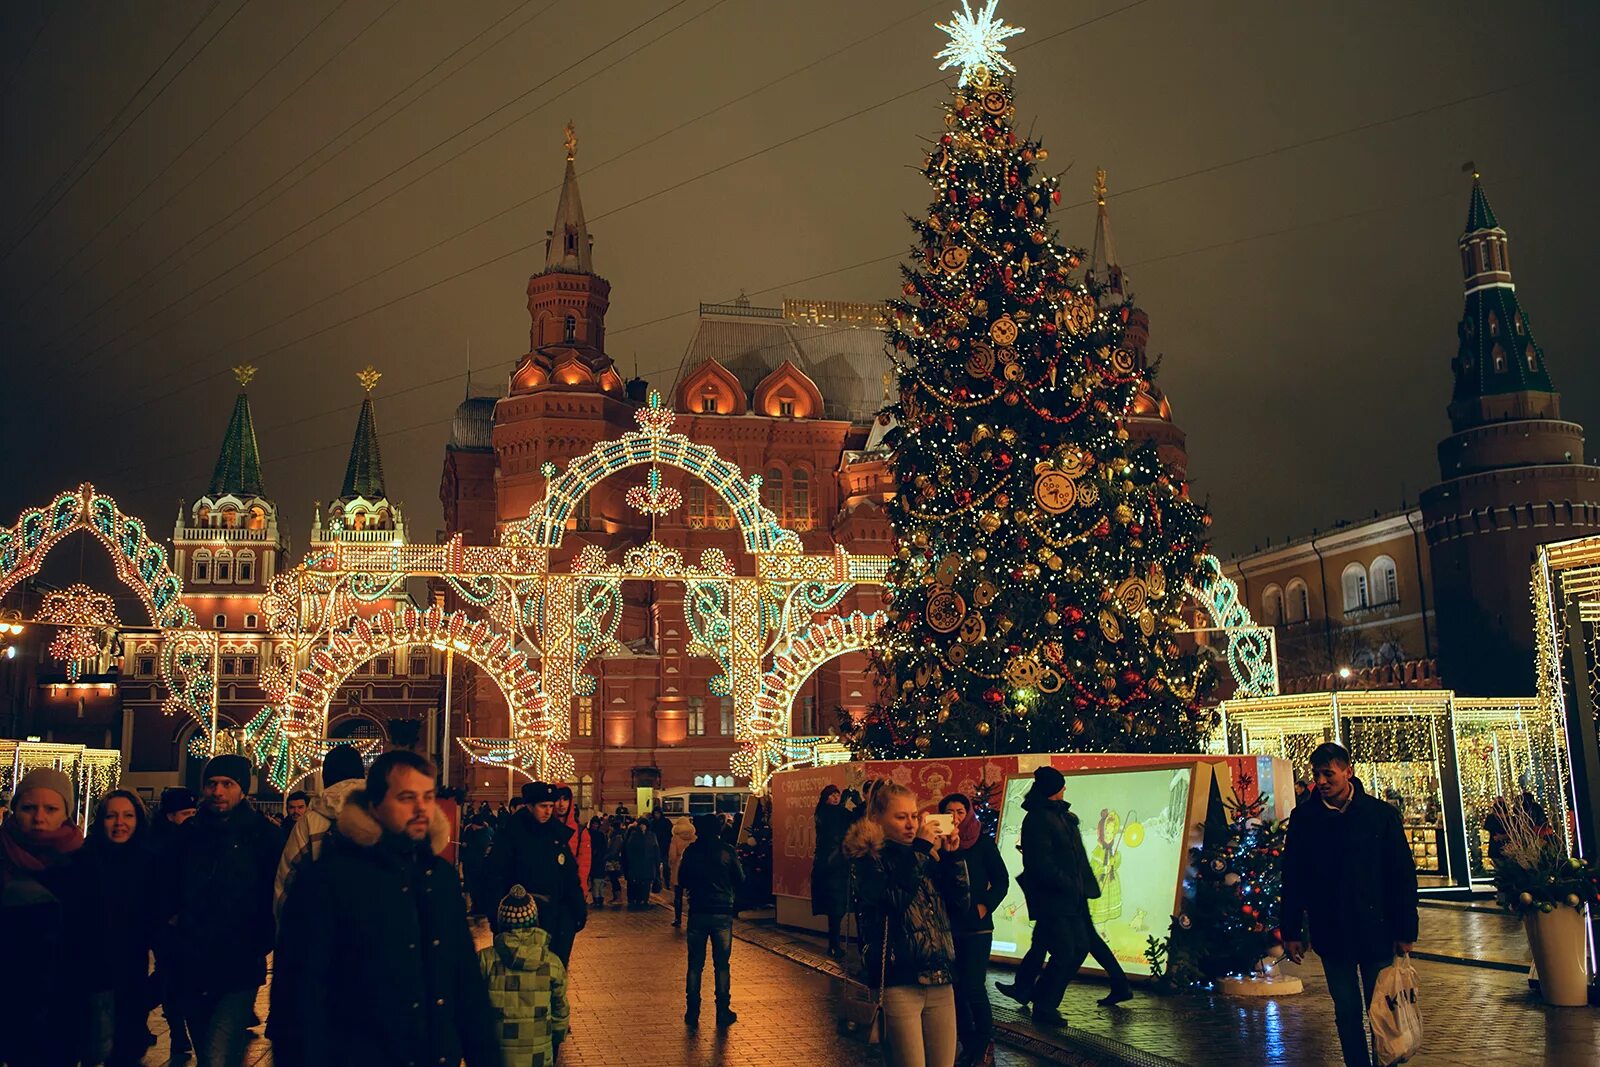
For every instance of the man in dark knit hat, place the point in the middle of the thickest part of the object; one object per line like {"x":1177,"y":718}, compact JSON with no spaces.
{"x":219,"y":877}
{"x":1057,"y":883}
{"x":532,"y":851}
{"x":342,"y":773}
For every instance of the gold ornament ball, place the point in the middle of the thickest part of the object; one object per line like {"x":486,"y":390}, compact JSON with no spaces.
{"x":983,"y":729}
{"x":1052,"y":616}
{"x":922,"y":744}
{"x":980,"y":554}
{"x":944,"y":714}
{"x":1123,"y":514}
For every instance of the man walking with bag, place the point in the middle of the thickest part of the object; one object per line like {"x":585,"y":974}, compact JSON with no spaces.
{"x":1347,"y":870}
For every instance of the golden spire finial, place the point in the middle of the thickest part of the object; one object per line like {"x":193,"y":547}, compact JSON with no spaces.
{"x":244,"y":372}
{"x":1100,"y":187}
{"x":368,"y":377}
{"x":571,"y":132}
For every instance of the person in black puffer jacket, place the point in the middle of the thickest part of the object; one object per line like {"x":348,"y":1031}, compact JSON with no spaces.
{"x":531,"y":851}
{"x":1058,"y":884}
{"x":987,"y":881}
{"x":710,"y":873}
{"x":1348,"y":871}
{"x":219,"y":881}
{"x":905,"y":888}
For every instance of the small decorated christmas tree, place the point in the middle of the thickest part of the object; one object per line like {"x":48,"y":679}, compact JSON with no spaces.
{"x":1229,"y":920}
{"x":1042,"y":557}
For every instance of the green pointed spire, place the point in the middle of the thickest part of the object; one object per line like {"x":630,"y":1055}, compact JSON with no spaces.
{"x":1480,"y":216}
{"x":238,"y":469}
{"x":363,"y":475}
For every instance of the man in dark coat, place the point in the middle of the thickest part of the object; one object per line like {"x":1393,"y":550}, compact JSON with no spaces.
{"x":219,"y":878}
{"x":661,"y":827}
{"x":641,"y":863}
{"x":709,"y":870}
{"x":476,"y":841}
{"x":375,"y":962}
{"x":973,"y":927}
{"x":1058,"y":883}
{"x":1347,"y":869}
{"x":532,"y":851}
{"x":178,"y":806}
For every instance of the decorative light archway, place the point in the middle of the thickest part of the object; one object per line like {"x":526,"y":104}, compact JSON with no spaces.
{"x":189,"y":654}
{"x":1252,"y":650}
{"x":294,"y":734}
{"x":653,"y":443}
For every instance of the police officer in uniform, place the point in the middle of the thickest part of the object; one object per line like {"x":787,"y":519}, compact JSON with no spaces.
{"x":534,"y":851}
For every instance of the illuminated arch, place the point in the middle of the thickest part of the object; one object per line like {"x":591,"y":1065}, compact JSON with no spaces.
{"x":652,"y":443}
{"x":141,"y":564}
{"x":1250,"y":647}
{"x":188,"y":653}
{"x":304,"y":719}
{"x":807,"y":651}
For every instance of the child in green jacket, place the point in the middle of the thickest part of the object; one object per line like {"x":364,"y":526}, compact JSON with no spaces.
{"x":527,"y":984}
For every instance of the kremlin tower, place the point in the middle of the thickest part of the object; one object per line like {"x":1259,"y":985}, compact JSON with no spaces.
{"x":1512,"y":475}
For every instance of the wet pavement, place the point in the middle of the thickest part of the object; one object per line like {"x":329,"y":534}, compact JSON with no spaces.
{"x":627,"y":1007}
{"x":1473,"y":1015}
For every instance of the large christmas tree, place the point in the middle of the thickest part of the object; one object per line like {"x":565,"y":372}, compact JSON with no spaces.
{"x":1036,"y":591}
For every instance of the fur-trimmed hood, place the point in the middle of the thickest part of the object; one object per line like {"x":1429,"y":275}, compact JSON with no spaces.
{"x":864,"y":837}
{"x":330,"y":802}
{"x":358,"y":825}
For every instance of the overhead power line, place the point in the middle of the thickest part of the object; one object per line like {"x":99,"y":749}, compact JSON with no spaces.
{"x":69,"y":179}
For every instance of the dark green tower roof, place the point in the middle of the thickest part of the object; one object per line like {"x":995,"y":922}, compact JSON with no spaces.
{"x":1480,"y":216}
{"x":363,"y":475}
{"x":238,"y":469}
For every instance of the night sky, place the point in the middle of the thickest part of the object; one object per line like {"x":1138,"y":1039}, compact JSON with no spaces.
{"x":315,"y":187}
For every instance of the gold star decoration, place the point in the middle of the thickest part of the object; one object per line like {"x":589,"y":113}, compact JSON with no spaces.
{"x":571,"y":132}
{"x":1100,"y":187}
{"x":368,"y":377}
{"x":244,"y":372}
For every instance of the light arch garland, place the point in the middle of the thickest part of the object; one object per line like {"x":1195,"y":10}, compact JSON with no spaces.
{"x":1251,"y":651}
{"x":792,"y":666}
{"x":299,"y":731}
{"x":188,"y":654}
{"x":653,"y":444}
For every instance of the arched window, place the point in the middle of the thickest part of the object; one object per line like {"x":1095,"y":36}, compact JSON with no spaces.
{"x":1385,"y":581}
{"x":1530,"y":357}
{"x":1272,"y":606}
{"x":219,"y":621}
{"x":244,"y":566}
{"x":800,"y":500}
{"x":222,"y":566}
{"x":1498,"y":355}
{"x":258,"y":518}
{"x":772,"y":491}
{"x":571,"y":330}
{"x":202,"y":565}
{"x":1297,"y":605}
{"x":1354,"y":581}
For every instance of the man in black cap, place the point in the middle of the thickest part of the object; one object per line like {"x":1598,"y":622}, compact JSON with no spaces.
{"x":178,"y":806}
{"x":220,"y":888}
{"x":532,"y":851}
{"x":342,"y":773}
{"x":1057,"y":883}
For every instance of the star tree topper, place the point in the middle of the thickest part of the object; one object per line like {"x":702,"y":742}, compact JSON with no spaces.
{"x":976,"y":41}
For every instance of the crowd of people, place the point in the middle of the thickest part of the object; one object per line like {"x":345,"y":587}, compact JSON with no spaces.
{"x":374,"y":961}
{"x":366,"y":924}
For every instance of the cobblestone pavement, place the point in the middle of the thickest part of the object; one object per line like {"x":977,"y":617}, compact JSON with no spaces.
{"x":1471,"y":1015}
{"x":627,"y":1007}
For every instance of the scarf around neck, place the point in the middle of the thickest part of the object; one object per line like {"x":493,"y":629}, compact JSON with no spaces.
{"x":34,"y":854}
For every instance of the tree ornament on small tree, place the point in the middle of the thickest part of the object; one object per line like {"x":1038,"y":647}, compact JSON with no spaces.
{"x":1228,"y":924}
{"x":1042,"y":557}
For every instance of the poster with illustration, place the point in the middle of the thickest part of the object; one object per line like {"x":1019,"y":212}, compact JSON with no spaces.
{"x":1137,"y":827}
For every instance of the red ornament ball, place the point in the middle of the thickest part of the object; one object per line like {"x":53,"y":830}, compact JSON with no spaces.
{"x":993,"y":695}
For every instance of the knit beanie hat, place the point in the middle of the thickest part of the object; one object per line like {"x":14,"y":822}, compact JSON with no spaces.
{"x":235,"y":767}
{"x":340,"y":764}
{"x":45,"y":778}
{"x":1047,"y":782}
{"x":518,"y":910}
{"x":178,"y":799}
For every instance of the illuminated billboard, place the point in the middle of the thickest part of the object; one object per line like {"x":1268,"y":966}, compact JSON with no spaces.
{"x":1137,"y":828}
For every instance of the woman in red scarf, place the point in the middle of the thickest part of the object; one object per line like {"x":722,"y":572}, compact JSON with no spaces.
{"x":36,"y":876}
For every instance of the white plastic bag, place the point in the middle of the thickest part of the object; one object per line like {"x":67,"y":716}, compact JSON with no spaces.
{"x":1396,"y":1018}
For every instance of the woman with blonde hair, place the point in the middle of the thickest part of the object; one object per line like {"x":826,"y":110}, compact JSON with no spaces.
{"x":903,"y":894}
